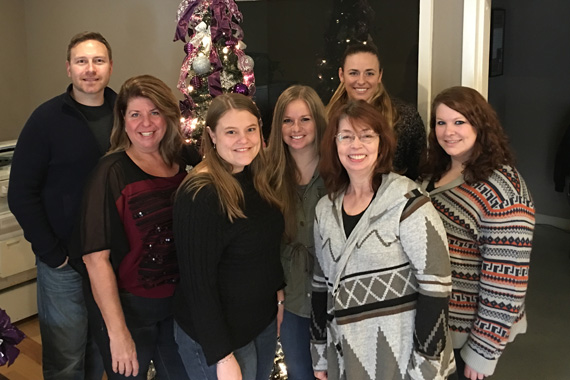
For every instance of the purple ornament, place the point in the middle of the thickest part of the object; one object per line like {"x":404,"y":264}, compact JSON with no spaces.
{"x":241,"y":88}
{"x":196,"y":82}
{"x":188,"y":48}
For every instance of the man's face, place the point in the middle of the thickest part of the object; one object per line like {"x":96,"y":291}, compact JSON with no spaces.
{"x":89,"y":68}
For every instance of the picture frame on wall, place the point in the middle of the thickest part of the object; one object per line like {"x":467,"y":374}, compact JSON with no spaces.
{"x":496,"y":55}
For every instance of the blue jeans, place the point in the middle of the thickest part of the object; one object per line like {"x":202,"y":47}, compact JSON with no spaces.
{"x":295,"y":340}
{"x":68,"y":352}
{"x":255,"y":358}
{"x":151,"y":325}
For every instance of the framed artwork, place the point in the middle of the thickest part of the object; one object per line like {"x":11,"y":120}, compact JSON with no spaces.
{"x":496,"y":55}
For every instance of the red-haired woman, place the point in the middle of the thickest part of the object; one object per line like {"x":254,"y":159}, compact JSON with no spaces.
{"x":382,"y":275}
{"x":488,"y":213}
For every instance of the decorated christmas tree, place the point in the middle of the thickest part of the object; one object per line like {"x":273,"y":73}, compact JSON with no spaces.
{"x":215,"y":62}
{"x":350,"y":24}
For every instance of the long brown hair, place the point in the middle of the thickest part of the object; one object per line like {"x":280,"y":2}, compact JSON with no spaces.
{"x":283,"y":171}
{"x":380,"y":99}
{"x":215,"y":171}
{"x":491,"y":149}
{"x":155,"y":90}
{"x":359,"y":113}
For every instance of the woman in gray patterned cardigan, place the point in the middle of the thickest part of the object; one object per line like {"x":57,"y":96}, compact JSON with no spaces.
{"x":382,"y":277}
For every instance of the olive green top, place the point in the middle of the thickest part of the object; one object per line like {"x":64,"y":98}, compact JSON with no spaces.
{"x":298,"y":256}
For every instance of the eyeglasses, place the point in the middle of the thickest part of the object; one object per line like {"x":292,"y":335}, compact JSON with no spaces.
{"x":348,"y":138}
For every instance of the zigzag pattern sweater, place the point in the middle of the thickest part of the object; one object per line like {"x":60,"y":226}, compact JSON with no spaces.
{"x":489,"y":228}
{"x":380,"y":296}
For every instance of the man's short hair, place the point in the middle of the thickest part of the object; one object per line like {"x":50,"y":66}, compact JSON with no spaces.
{"x":86,"y":36}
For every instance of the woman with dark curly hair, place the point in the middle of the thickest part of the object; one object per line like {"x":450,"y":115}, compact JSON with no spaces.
{"x":488,"y":213}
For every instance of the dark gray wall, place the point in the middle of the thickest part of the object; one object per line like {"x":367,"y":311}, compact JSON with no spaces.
{"x":286,"y":37}
{"x":532,"y":97}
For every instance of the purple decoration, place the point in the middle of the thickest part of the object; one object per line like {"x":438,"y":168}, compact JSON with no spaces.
{"x":186,"y":107}
{"x":182,"y":26}
{"x":10,"y":336}
{"x":222,"y":24}
{"x":214,"y":83}
{"x":241,"y":88}
{"x":188,"y":48}
{"x":196,"y":82}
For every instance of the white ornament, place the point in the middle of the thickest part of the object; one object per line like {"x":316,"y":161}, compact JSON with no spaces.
{"x":245,"y":63}
{"x":201,"y":27}
{"x":201,"y":65}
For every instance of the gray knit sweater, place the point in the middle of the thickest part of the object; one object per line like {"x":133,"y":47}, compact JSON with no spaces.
{"x":380,"y":296}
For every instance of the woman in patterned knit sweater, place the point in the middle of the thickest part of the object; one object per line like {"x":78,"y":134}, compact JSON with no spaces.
{"x":488,"y":213}
{"x":361,"y":79}
{"x":382,"y":278}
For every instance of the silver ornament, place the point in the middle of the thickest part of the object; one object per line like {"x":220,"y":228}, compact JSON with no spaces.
{"x":201,"y":65}
{"x":245,"y":63}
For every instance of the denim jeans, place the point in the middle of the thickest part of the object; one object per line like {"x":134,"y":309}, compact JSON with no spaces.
{"x":255,"y":358}
{"x":295,"y":340}
{"x":68,"y":352}
{"x":151,"y":325}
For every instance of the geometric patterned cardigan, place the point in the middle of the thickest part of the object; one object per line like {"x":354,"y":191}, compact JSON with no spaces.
{"x":380,"y":297}
{"x":489,"y":228}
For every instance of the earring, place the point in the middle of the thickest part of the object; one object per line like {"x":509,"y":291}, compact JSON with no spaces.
{"x":214,"y":146}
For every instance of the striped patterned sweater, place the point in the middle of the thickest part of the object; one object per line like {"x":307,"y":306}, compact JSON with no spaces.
{"x":380,"y":296}
{"x":489,"y":229}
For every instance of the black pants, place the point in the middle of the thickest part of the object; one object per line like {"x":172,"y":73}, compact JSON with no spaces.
{"x":151,"y":325}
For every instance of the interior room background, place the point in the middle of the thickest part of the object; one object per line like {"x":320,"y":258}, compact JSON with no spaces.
{"x":286,"y":38}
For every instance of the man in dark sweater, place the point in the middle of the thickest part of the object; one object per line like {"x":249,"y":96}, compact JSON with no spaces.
{"x":58,"y":147}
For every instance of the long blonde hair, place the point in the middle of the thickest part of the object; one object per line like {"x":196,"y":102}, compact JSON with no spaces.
{"x":215,"y":171}
{"x":284,"y":175}
{"x":381,"y":99}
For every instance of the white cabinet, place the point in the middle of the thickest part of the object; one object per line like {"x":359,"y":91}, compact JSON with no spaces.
{"x":17,"y":261}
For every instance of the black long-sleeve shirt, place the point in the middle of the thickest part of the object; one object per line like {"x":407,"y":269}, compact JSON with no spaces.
{"x":54,"y":155}
{"x":229,"y":272}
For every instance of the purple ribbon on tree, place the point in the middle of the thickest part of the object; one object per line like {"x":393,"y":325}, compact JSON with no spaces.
{"x":214,"y":83}
{"x":222,"y":24}
{"x":184,"y":19}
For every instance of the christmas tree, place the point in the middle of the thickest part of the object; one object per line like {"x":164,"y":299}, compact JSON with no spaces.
{"x":350,"y":24}
{"x":215,"y":62}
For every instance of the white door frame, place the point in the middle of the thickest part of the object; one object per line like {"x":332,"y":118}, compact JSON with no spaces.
{"x":469,"y":59}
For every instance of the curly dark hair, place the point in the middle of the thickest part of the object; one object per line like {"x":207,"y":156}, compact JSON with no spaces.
{"x":491,"y":149}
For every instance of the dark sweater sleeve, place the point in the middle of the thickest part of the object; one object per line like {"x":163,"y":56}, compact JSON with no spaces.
{"x":101,"y":224}
{"x":199,"y":229}
{"x":27,"y":175}
{"x":412,"y":141}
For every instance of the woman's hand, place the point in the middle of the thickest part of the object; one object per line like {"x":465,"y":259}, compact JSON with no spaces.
{"x":471,"y":374}
{"x":321,"y":375}
{"x":124,"y":354}
{"x":228,"y":368}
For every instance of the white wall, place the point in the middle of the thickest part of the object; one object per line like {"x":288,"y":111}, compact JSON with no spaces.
{"x":140,"y":33}
{"x":14,"y":82}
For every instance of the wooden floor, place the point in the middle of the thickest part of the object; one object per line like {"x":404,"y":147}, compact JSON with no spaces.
{"x":28,"y":365}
